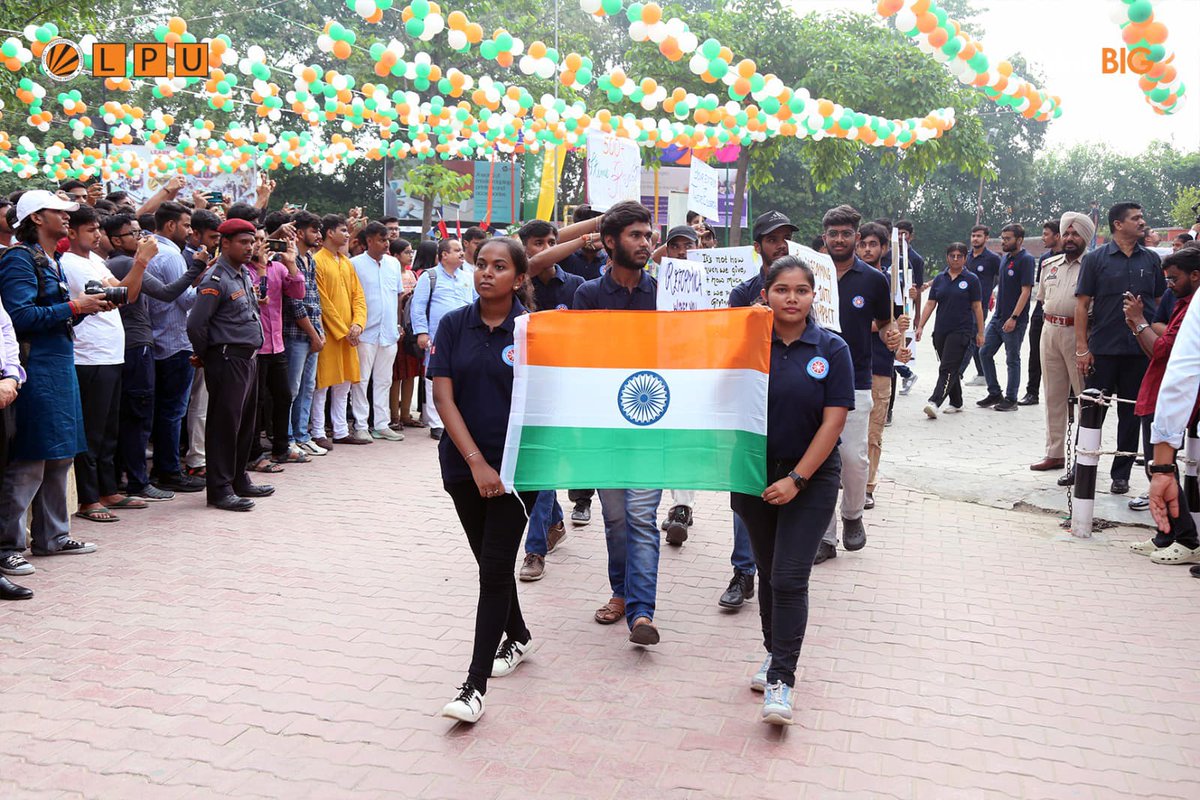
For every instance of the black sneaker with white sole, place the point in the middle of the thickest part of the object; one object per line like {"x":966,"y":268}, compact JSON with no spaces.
{"x":581,"y":514}
{"x":70,"y":547}
{"x":15,"y":565}
{"x":467,"y":706}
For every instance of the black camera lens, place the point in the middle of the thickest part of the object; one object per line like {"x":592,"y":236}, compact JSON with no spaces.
{"x":117,"y":295}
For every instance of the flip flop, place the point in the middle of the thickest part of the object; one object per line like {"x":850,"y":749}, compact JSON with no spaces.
{"x":413,"y":423}
{"x":129,"y":502}
{"x":98,"y":515}
{"x":265,"y":465}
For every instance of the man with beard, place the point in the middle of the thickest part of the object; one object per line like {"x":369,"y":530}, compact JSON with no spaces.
{"x":1106,"y":350}
{"x":771,"y":233}
{"x":1008,"y":324}
{"x":630,"y":528}
{"x":986,"y":266}
{"x":1052,"y":240}
{"x":1056,"y":296}
{"x":864,"y":303}
{"x":303,"y":336}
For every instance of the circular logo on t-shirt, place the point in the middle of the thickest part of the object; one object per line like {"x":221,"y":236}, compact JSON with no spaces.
{"x":561,"y":307}
{"x":858,"y":301}
{"x":818,"y":367}
{"x":962,"y":284}
{"x":643,"y":398}
{"x":979,"y":268}
{"x":1010,"y":273}
{"x":509,"y":355}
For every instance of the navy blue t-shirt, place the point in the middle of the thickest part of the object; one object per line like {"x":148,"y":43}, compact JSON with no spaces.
{"x":576,"y":264}
{"x":986,"y":267}
{"x":1105,"y":275}
{"x":955,"y":298}
{"x":605,"y":293}
{"x":746,"y":292}
{"x":864,"y":297}
{"x":811,"y":373}
{"x":1165,"y":306}
{"x":883,"y":360}
{"x":1015,"y":273}
{"x":480,"y":362}
{"x":558,"y":293}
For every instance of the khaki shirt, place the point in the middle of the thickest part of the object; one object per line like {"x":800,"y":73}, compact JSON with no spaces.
{"x":1057,"y":289}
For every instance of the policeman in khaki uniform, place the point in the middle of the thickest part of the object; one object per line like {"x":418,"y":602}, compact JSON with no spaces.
{"x":1060,"y":274}
{"x":226,"y":335}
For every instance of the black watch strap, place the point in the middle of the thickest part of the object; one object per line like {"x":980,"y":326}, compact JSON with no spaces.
{"x":1163,"y":469}
{"x":800,"y":481}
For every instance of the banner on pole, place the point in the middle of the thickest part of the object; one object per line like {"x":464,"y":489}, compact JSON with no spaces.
{"x":825,"y":304}
{"x":702,"y":190}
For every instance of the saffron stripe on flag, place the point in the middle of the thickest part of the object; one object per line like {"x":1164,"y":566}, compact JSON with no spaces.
{"x":641,"y":458}
{"x":651,"y":339}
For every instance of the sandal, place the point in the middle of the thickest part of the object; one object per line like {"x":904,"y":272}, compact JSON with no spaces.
{"x":129,"y":502}
{"x":1176,"y":554}
{"x":98,"y":515}
{"x":264,"y":465}
{"x":293,"y":457}
{"x":413,"y":423}
{"x":610,"y":612}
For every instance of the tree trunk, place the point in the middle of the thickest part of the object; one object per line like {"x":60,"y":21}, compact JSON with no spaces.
{"x":739,"y":196}
{"x":426,"y":217}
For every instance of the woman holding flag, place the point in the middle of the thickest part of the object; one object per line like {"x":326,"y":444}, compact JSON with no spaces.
{"x":471,"y":365}
{"x":811,"y":390}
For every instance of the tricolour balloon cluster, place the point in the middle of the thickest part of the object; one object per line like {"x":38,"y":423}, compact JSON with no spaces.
{"x":1146,"y":40}
{"x":942,"y":38}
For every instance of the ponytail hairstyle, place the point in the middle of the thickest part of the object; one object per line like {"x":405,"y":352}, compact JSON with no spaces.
{"x":782,"y":265}
{"x":520,"y":262}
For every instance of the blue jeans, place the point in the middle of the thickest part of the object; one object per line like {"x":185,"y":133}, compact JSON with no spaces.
{"x":302,"y":382}
{"x":742,"y":556}
{"x":1012,"y":352}
{"x":172,"y":388}
{"x":546,"y":512}
{"x":631,"y":532}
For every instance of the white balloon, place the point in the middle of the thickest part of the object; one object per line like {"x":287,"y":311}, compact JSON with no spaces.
{"x":697,"y":64}
{"x":1119,"y":14}
{"x":457,"y":39}
{"x":527,"y":65}
{"x":924,"y":46}
{"x":906,"y":20}
{"x":518,"y":47}
{"x":256,"y":53}
{"x":435,"y":24}
{"x":325,"y":43}
{"x":546,"y":68}
{"x":688,"y":42}
{"x":589,"y":6}
{"x":637,"y":30}
{"x":364,"y":8}
{"x":657,"y":32}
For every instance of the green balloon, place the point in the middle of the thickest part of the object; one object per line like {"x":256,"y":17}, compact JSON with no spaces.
{"x":43,"y":35}
{"x":583,"y":77}
{"x":377,"y":51}
{"x":420,"y":8}
{"x":710,"y":49}
{"x":757,"y":82}
{"x":414,"y":27}
{"x":1157,"y":53}
{"x":978,"y":62}
{"x":717,"y":68}
{"x":9,"y":49}
{"x":488,"y":50}
{"x":953,"y":47}
{"x":1140,"y":10}
{"x":614,"y":95}
{"x":1159,"y":94}
{"x":612,"y":6}
{"x":770,"y":105}
{"x":634,"y":12}
{"x":384,"y":4}
{"x":504,"y":42}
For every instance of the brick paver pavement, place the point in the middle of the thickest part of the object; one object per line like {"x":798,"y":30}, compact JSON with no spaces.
{"x":304,"y":650}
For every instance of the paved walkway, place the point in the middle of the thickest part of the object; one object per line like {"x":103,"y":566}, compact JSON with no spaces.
{"x":304,"y":650}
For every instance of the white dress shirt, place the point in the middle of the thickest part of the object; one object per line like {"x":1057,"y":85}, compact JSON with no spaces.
{"x":1180,"y":384}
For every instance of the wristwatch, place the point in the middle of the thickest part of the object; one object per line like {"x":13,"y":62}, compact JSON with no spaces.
{"x":1015,"y":318}
{"x":801,"y":482}
{"x":1163,"y":469}
{"x":1141,"y":327}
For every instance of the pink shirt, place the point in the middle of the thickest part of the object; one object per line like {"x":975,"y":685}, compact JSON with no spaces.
{"x":279,"y":283}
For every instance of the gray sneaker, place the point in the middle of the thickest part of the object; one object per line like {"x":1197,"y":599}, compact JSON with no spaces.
{"x":388,"y":434}
{"x":777,"y":704}
{"x":153,"y":494}
{"x":15,"y":565}
{"x":854,"y":535}
{"x":759,"y":682}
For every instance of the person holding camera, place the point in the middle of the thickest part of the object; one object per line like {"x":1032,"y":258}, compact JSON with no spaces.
{"x":225,"y":333}
{"x":49,"y":420}
{"x":99,"y":362}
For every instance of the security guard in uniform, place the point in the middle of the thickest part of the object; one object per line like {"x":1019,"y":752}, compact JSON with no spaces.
{"x":226,"y":335}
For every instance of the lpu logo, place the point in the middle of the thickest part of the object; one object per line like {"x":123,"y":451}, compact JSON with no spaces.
{"x":62,"y":60}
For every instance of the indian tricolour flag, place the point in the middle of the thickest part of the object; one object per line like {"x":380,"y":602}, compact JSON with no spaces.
{"x":640,"y":400}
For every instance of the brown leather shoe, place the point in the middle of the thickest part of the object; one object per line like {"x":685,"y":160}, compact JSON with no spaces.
{"x":323,"y":442}
{"x":555,"y":535}
{"x":352,"y":439}
{"x":1047,"y":464}
{"x":643,"y":632}
{"x":534,"y":567}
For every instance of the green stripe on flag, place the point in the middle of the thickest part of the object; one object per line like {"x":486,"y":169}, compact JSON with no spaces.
{"x":641,"y":458}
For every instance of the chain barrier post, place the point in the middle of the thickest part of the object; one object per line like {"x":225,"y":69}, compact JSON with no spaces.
{"x":1092,"y":408}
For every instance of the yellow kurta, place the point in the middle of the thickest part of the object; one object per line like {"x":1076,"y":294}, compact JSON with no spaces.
{"x":342,"y":305}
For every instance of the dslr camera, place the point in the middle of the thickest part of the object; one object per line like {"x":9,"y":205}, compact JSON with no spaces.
{"x":117,"y":295}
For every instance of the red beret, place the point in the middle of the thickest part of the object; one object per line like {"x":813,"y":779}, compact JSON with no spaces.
{"x":232,"y":227}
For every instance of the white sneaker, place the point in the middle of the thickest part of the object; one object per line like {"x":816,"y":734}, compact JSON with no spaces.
{"x":931,"y":410}
{"x":953,"y":410}
{"x":759,"y":682}
{"x":907,"y":383}
{"x":467,"y":707}
{"x":313,"y":449}
{"x":1146,"y":548}
{"x":777,"y":704}
{"x":387,"y":433}
{"x":1176,"y":554}
{"x":978,"y":380}
{"x":510,"y":654}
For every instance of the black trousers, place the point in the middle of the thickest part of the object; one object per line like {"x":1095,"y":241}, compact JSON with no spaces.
{"x":494,"y":527}
{"x":1121,"y":376}
{"x":274,"y":405}
{"x":232,"y":383}
{"x":1034,"y":387}
{"x":1183,"y":527}
{"x":137,"y":415}
{"x":8,"y":429}
{"x":951,"y":348}
{"x":785,"y":541}
{"x":100,"y":397}
{"x":581,"y":496}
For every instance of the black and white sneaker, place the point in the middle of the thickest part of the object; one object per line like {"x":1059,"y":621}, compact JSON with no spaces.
{"x":678,"y":520}
{"x":467,"y":707}
{"x":15,"y":565}
{"x":581,"y":514}
{"x":510,"y":654}
{"x":154,"y":494}
{"x":69,"y":548}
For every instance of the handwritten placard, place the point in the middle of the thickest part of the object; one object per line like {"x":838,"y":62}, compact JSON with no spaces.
{"x":724,"y":269}
{"x":682,"y":286}
{"x":702,"y":190}
{"x":825,"y":306}
{"x":614,"y":170}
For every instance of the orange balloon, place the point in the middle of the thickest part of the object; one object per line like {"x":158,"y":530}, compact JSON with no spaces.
{"x":1133,"y":32}
{"x":573,"y":62}
{"x":376,"y":16}
{"x":741,"y":86}
{"x":172,"y":38}
{"x":651,"y":13}
{"x":474,"y":33}
{"x":824,"y":107}
{"x":176,"y":25}
{"x":457,"y":21}
{"x":746,"y":68}
{"x":1004,"y":68}
{"x":920,"y":7}
{"x":1156,"y":33}
{"x":926,"y":23}
{"x":504,"y":59}
{"x":938,"y":37}
{"x":886,"y":8}
{"x":341,"y":49}
{"x":537,"y":49}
